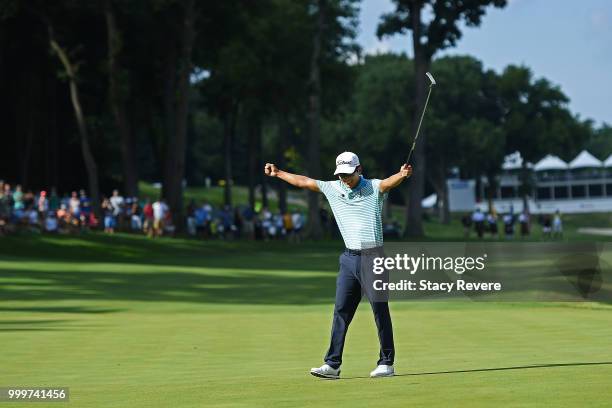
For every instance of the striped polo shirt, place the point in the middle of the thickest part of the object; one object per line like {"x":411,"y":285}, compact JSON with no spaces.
{"x":358,"y":211}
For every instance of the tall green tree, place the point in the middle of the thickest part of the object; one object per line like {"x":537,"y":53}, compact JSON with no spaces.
{"x":537,"y":121}
{"x":372,"y":120}
{"x":71,"y":69}
{"x":441,"y":31}
{"x":237,"y":80}
{"x":55,"y":21}
{"x":466,"y":118}
{"x":176,"y":144}
{"x":314,"y":229}
{"x":334,"y":24}
{"x":600,"y":142}
{"x":280,"y":89}
{"x":118,"y":89}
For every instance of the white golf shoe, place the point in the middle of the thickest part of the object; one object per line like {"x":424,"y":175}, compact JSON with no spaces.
{"x":383,"y":371}
{"x":325,"y":371}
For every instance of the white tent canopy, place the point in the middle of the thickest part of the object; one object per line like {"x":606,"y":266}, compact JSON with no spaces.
{"x":584,"y":160}
{"x":550,"y":162}
{"x":608,"y":161}
{"x":514,"y":161}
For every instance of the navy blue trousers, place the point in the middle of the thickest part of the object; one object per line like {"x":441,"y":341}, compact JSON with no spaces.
{"x":349,"y":290}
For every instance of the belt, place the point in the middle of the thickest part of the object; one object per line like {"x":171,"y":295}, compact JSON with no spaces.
{"x":359,"y":252}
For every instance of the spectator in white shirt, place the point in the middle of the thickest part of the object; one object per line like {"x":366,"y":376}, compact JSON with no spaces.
{"x":478,"y":217}
{"x":116,"y":202}
{"x":159,"y":214}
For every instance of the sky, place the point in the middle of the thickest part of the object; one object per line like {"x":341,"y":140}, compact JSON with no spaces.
{"x":569,"y":42}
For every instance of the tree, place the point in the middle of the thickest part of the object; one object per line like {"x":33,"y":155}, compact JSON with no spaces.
{"x":233,"y":63}
{"x":70,"y":71}
{"x":178,"y":73}
{"x":440,"y":32}
{"x":600,"y":143}
{"x":465,"y":118}
{"x":118,"y":85}
{"x":334,"y":25}
{"x":285,"y":87}
{"x":269,"y":86}
{"x":314,"y":119}
{"x":372,"y":118}
{"x":537,"y":121}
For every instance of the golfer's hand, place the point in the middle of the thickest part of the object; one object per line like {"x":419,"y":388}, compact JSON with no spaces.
{"x":406,"y":170}
{"x":271,"y":170}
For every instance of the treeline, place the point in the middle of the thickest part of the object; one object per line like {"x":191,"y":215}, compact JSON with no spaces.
{"x":105,"y":93}
{"x":475,"y":118}
{"x":139,"y":75}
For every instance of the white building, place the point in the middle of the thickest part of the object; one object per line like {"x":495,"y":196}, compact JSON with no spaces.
{"x":582,"y":185}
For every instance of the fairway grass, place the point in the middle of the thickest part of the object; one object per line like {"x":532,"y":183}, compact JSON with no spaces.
{"x":127,"y":322}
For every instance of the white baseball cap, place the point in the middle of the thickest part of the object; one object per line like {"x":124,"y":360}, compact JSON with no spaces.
{"x":346,"y":163}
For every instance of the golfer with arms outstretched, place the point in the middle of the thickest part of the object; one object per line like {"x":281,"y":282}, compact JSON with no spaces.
{"x":357,"y":205}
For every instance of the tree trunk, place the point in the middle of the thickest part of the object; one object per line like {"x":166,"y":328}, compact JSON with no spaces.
{"x":3,"y":37}
{"x":53,"y":140}
{"x":525,"y":186}
{"x":30,"y":126}
{"x":155,"y":135}
{"x":284,"y":134}
{"x":437,"y":179}
{"x":229,"y":125}
{"x":166,"y":145}
{"x":169,"y":104}
{"x":442,"y":203}
{"x":88,"y":158}
{"x":175,"y":160}
{"x":314,"y":229}
{"x":263,"y":179}
{"x":446,"y":216}
{"x":117,"y":99}
{"x":416,"y":183}
{"x":254,"y":139}
{"x":492,"y":189}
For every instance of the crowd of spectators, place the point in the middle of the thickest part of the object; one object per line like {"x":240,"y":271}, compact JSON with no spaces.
{"x":43,"y":211}
{"x":48,"y":212}
{"x":481,"y":224}
{"x":242,"y":222}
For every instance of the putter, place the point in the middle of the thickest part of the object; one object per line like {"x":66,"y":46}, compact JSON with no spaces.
{"x":432,"y":82}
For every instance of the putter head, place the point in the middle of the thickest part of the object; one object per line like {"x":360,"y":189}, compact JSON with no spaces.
{"x":431,"y":79}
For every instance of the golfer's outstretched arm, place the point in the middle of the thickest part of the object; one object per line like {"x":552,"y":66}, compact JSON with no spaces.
{"x":396,"y":179}
{"x":293,"y":179}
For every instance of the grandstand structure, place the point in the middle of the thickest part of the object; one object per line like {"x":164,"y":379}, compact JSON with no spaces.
{"x":580,"y":186}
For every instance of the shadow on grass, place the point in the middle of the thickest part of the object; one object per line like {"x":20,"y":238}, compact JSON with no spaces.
{"x":478,"y":370}
{"x":38,"y":325}
{"x":248,"y":288}
{"x":244,"y":280}
{"x":126,"y":248}
{"x":245,"y":286}
{"x":58,"y":309}
{"x":29,"y":329}
{"x":28,"y":322}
